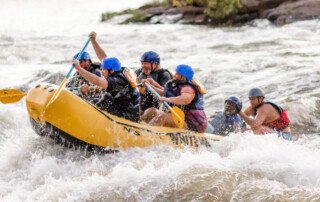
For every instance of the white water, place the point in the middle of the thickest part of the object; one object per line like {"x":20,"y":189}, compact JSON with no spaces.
{"x":37,"y":41}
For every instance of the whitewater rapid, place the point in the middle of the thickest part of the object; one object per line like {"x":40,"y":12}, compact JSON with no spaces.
{"x":38,"y":40}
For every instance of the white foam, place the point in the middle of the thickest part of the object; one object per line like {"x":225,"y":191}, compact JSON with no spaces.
{"x":42,"y":37}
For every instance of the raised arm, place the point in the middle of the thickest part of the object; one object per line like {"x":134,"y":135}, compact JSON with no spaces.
{"x":92,"y":78}
{"x":99,"y":51}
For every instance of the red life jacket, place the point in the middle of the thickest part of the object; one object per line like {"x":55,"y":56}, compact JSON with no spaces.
{"x":282,"y":122}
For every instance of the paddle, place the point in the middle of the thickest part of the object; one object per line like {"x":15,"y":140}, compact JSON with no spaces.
{"x":68,"y":74}
{"x":177,"y":114}
{"x":11,"y":95}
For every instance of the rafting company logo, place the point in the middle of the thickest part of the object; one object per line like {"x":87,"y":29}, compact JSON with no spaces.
{"x":178,"y":138}
{"x":135,"y":132}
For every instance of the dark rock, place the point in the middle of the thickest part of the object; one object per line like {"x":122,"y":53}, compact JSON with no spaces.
{"x":195,"y":3}
{"x":155,"y":11}
{"x":278,"y":11}
{"x":255,"y":5}
{"x":193,"y":19}
{"x":243,"y":18}
{"x":292,"y":11}
{"x":173,"y":11}
{"x":185,"y":10}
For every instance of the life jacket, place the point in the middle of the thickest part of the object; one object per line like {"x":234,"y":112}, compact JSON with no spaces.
{"x":94,"y":66}
{"x":158,"y":75}
{"x":130,"y":76}
{"x":173,"y":89}
{"x":199,"y":85}
{"x":128,"y":94}
{"x":123,"y":101}
{"x":282,"y":122}
{"x":148,"y":100}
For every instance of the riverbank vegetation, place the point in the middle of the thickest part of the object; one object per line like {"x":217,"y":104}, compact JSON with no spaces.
{"x":219,"y":12}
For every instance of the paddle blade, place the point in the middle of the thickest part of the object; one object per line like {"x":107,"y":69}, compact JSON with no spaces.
{"x":8,"y":96}
{"x":178,"y":116}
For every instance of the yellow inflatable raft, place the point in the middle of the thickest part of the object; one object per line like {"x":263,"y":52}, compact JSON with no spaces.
{"x":72,"y":120}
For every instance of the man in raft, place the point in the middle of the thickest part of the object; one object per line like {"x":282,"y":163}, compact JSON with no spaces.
{"x":78,"y":81}
{"x":122,"y":98}
{"x":184,"y":93}
{"x":86,"y":63}
{"x":150,"y":71}
{"x":268,"y":116}
{"x":153,"y":73}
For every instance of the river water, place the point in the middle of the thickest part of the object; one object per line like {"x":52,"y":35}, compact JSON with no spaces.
{"x":38,"y":39}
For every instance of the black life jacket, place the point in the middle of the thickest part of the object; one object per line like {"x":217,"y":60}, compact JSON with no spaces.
{"x":127,"y":95}
{"x":148,"y":100}
{"x":158,"y":75}
{"x":124,"y":101}
{"x":95,"y":69}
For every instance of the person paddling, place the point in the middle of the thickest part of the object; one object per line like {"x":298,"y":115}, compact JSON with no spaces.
{"x":150,"y":71}
{"x":86,"y":63}
{"x":181,"y":92}
{"x":268,"y":116}
{"x":121,"y":98}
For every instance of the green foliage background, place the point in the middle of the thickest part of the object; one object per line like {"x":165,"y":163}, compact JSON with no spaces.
{"x":214,"y":8}
{"x":218,"y":9}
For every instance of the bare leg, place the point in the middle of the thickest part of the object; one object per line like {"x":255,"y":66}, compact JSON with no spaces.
{"x":163,"y":119}
{"x":149,"y":114}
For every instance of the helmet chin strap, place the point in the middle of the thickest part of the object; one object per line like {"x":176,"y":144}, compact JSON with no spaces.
{"x":110,"y":71}
{"x":152,"y":67}
{"x":183,"y":79}
{"x":88,"y":64}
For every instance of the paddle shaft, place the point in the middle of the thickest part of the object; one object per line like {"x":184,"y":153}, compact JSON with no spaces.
{"x":78,"y":57}
{"x":68,"y":74}
{"x":165,"y":103}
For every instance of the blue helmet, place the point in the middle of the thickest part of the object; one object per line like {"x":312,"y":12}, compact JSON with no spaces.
{"x":256,"y":92}
{"x":186,"y":71}
{"x":83,"y":56}
{"x":235,"y":100}
{"x":151,"y":57}
{"x":111,"y":63}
